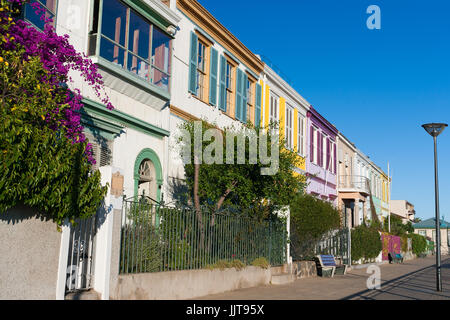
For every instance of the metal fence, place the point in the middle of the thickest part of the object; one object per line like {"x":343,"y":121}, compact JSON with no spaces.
{"x":157,"y":238}
{"x":335,"y":242}
{"x":81,"y":254}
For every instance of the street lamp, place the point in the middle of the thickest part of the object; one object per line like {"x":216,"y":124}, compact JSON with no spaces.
{"x":435,"y":129}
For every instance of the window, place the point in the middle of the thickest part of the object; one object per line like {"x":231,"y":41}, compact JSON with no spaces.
{"x":147,"y":186}
{"x":301,"y":135}
{"x":289,"y":126}
{"x":101,"y":150}
{"x":229,"y":85}
{"x":201,"y":70}
{"x":131,"y":42}
{"x":422,"y":233}
{"x":273,"y":112}
{"x":315,"y":149}
{"x":325,"y":155}
{"x":49,"y":6}
{"x":250,"y":87}
{"x":332,"y":167}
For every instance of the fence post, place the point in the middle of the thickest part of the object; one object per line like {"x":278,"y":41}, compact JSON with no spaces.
{"x":349,"y":246}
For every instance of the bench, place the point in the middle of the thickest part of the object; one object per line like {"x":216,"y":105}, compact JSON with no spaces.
{"x":395,"y":257}
{"x":327,"y":266}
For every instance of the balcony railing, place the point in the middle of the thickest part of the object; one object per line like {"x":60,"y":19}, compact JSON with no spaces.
{"x":353,"y":184}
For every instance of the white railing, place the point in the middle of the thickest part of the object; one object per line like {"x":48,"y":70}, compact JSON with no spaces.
{"x":354,"y":183}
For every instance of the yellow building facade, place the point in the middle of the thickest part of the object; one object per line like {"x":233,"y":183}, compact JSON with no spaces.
{"x":283,"y":105}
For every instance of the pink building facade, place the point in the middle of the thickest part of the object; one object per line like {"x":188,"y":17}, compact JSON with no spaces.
{"x":321,"y":165}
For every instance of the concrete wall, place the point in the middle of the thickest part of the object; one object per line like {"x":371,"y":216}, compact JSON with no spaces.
{"x":29,"y":251}
{"x":187,"y":284}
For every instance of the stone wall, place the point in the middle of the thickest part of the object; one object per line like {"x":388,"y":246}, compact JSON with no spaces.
{"x":305,"y":269}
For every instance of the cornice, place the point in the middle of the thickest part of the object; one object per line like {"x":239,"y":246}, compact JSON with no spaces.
{"x":198,"y":14}
{"x":168,"y":14}
{"x":318,"y":116}
{"x":272,"y":76}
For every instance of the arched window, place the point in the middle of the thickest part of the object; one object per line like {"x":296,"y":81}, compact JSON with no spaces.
{"x":147,"y":180}
{"x":148,"y":177}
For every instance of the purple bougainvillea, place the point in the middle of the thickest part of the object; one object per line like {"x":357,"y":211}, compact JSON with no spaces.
{"x":58,"y":57}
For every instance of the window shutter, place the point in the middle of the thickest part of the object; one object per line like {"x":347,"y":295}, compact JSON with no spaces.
{"x":258,"y":93}
{"x":193,"y":64}
{"x":213,"y":77}
{"x":244,"y":97}
{"x":319,"y":148}
{"x":334,"y":160}
{"x":311,"y":145}
{"x":222,"y":84}
{"x":329,"y":165}
{"x":238,"y":109}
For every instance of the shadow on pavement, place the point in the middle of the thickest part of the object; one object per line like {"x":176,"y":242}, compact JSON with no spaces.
{"x":416,"y":285}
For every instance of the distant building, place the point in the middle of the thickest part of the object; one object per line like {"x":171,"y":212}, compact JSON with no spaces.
{"x":427,"y":228}
{"x":403,"y":209}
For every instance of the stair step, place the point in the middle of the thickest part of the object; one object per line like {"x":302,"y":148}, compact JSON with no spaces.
{"x":83,"y":295}
{"x":282,"y":279}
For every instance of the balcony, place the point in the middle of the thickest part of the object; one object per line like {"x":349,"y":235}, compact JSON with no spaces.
{"x":358,"y":184}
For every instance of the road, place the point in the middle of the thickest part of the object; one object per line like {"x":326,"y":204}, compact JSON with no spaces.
{"x":412,"y":280}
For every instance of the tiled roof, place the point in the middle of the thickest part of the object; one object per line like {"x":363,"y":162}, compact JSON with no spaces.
{"x":430,"y":224}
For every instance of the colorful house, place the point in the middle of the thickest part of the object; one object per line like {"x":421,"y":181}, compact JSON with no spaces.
{"x":321,"y":162}
{"x":283,"y":105}
{"x":218,"y":80}
{"x":427,"y":228}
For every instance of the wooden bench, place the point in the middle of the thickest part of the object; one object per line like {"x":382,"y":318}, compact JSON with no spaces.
{"x":327,"y":266}
{"x":395,"y":257}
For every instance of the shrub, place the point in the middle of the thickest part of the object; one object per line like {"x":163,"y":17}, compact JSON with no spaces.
{"x":225,"y":264}
{"x":366,"y":243}
{"x":143,"y":250}
{"x":419,"y":243}
{"x":261,"y":262}
{"x":311,"y":218}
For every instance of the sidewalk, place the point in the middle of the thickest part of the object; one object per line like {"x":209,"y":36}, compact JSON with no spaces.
{"x":414,"y":279}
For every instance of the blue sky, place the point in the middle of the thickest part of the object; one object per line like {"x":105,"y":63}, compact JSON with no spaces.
{"x":376,"y":86}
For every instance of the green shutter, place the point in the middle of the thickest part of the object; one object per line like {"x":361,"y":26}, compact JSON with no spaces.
{"x":238,"y":109}
{"x":193,"y":64}
{"x":258,"y":93}
{"x":213,"y":77}
{"x":222,"y":84}
{"x":244,"y":97}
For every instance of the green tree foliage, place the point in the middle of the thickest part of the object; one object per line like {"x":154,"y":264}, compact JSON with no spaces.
{"x":240,"y":185}
{"x":40,"y":167}
{"x":366,"y":243}
{"x":311,"y":218}
{"x":419,"y":243}
{"x":398,"y":228}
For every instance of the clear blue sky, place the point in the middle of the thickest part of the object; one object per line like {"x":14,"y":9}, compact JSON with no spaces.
{"x":376,"y":86}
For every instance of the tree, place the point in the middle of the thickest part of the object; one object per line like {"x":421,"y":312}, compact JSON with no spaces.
{"x":45,"y":160}
{"x":398,"y":228}
{"x":241,"y":183}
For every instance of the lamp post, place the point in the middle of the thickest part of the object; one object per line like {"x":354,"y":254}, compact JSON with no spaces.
{"x":435,"y":129}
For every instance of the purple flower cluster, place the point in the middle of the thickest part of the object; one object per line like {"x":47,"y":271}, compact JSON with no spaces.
{"x":58,"y":57}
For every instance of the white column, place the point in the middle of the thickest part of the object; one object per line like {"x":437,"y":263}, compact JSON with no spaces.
{"x":63,"y":256}
{"x":104,"y":235}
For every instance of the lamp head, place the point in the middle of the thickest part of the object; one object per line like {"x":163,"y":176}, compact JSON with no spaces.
{"x":435,"y":129}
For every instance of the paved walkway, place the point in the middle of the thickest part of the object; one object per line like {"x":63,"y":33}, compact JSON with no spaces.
{"x":412,"y":280}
